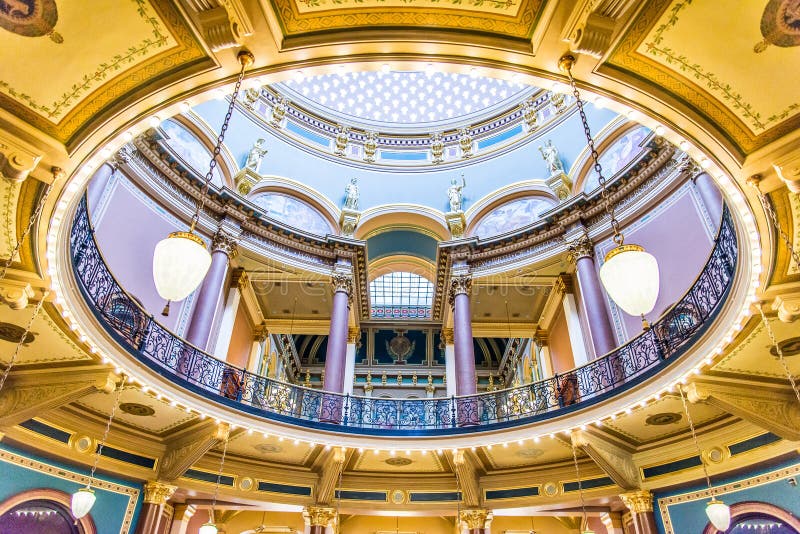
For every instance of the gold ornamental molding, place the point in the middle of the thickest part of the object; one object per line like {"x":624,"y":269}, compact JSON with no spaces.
{"x":713,"y":98}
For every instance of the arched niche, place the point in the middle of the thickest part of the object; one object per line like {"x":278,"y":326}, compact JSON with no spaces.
{"x":617,"y":150}
{"x":510,"y":209}
{"x":59,"y":520}
{"x":295,"y":205}
{"x":189,"y":143}
{"x":759,"y":511}
{"x":422,"y":218}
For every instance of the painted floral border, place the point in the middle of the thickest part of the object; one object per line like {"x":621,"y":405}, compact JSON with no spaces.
{"x":710,"y":79}
{"x":59,"y":107}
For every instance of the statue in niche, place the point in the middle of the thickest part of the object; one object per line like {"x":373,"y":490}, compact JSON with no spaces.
{"x":256,"y":155}
{"x":342,"y":138}
{"x":454,"y":194}
{"x":437,"y":148}
{"x":351,"y":195}
{"x":550,"y":155}
{"x":370,"y":147}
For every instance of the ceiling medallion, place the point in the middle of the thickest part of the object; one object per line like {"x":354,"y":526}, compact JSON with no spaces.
{"x":789,"y":347}
{"x":268,"y":448}
{"x":530,"y":453}
{"x":660,"y":419}
{"x":136,"y":409}
{"x":780,"y":25}
{"x":399,"y":461}
{"x":13,"y":333}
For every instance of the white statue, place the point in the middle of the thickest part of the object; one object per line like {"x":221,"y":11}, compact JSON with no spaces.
{"x":256,"y":155}
{"x":351,"y":195}
{"x":454,"y":193}
{"x":550,"y":155}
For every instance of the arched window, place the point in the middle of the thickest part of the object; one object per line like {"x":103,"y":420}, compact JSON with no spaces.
{"x":401,"y":295}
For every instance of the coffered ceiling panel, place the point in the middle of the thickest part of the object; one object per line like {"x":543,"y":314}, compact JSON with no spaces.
{"x":46,"y":342}
{"x":673,"y":44}
{"x":138,"y":409}
{"x":400,"y":462}
{"x":756,"y":356}
{"x":515,"y":19}
{"x":270,"y":449}
{"x":660,"y":420}
{"x":547,"y":450}
{"x":133,"y":41}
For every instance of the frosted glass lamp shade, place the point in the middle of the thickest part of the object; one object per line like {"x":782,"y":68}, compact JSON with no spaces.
{"x":208,"y":528}
{"x":719,"y":514}
{"x":82,"y":502}
{"x":630,"y":277}
{"x":180,"y":262}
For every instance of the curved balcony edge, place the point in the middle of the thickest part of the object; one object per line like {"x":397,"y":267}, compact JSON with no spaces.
{"x":627,"y":366}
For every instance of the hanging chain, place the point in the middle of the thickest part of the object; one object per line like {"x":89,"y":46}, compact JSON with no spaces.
{"x":580,"y":484}
{"x":21,"y":341}
{"x":604,"y":194}
{"x":31,"y":221}
{"x":219,"y":478}
{"x":773,"y":218}
{"x":102,"y":442}
{"x":201,"y":203}
{"x":694,"y":439}
{"x":779,"y":352}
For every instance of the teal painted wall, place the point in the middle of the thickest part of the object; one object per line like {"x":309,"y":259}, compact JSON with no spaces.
{"x":690,"y":517}
{"x":109,"y":510}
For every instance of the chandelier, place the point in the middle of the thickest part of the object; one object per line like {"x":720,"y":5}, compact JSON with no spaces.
{"x":629,"y":274}
{"x":181,"y":261}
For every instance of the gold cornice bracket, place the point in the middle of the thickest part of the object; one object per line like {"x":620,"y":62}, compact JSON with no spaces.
{"x":467,"y":474}
{"x":332,"y":465}
{"x":774,"y":409}
{"x":186,"y":447}
{"x":617,"y":463}
{"x":224,"y":23}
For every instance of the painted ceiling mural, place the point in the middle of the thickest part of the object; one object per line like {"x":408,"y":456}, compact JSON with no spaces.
{"x":618,"y":155}
{"x":293,"y":212}
{"x":511,"y":216}
{"x":183,"y":144}
{"x":72,"y":75}
{"x":723,"y":77}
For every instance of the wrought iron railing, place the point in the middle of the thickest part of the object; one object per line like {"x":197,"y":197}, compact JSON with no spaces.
{"x":642,"y":357}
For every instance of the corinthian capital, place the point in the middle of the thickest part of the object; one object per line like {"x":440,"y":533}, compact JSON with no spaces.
{"x":343,"y":283}
{"x":224,"y":242}
{"x":638,"y":502}
{"x":320,"y":516}
{"x":580,"y":248}
{"x":461,"y":284}
{"x":476,"y":518}
{"x":158,"y":492}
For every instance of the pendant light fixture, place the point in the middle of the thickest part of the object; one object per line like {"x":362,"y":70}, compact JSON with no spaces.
{"x":629,"y":274}
{"x":717,"y":511}
{"x":211,"y":526}
{"x":84,"y":498}
{"x":585,"y":521}
{"x":181,"y":261}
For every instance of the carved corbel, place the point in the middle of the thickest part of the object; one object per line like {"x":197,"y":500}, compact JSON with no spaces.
{"x":614,"y":461}
{"x":29,"y":394}
{"x":186,"y":448}
{"x":467,"y":473}
{"x":16,"y":294}
{"x":788,"y":307}
{"x":224,"y":22}
{"x":773,"y":409}
{"x":591,"y":25}
{"x":16,"y":161}
{"x":788,"y":170}
{"x":332,"y":465}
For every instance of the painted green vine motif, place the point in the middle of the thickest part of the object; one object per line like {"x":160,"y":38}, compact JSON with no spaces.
{"x":728,"y":93}
{"x":101,"y":73}
{"x":500,"y":4}
{"x":658,"y":36}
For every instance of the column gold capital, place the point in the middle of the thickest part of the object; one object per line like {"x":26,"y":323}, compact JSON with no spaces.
{"x":581,"y":247}
{"x":475,"y":518}
{"x":461,"y":284}
{"x":158,"y":492}
{"x":353,"y":334}
{"x":564,"y":285}
{"x":224,"y":242}
{"x":319,"y":516}
{"x":638,"y":502}
{"x":343,"y":283}
{"x":447,"y":336}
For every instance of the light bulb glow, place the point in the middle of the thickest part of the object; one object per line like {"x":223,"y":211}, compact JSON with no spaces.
{"x":82,"y":502}
{"x":719,"y":514}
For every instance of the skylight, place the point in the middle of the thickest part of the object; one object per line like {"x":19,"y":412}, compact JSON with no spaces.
{"x":405,"y":97}
{"x":401,"y":294}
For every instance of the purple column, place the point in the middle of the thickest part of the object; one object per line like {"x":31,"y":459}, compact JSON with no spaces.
{"x":336,"y":353}
{"x":710,"y":195}
{"x":223,"y":247}
{"x":582,"y":253}
{"x":464,"y":352}
{"x":97,"y":185}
